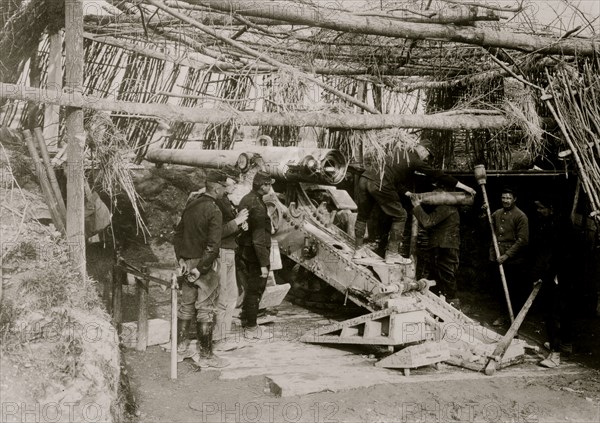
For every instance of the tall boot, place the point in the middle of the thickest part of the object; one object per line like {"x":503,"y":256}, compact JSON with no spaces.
{"x":183,"y":341}
{"x":392,"y":255}
{"x":206,"y":358}
{"x":360,"y":228}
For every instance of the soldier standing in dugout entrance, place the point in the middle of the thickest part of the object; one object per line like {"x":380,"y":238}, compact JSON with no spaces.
{"x":197,"y":241}
{"x":511,"y":227}
{"x":253,"y":258}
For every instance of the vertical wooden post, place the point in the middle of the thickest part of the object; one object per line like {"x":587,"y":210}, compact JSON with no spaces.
{"x":174,"y":326}
{"x":142,"y":322}
{"x":75,"y":135}
{"x":117,"y":295}
{"x":54,"y":82}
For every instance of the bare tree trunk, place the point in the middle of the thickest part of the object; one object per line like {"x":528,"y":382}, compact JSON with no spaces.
{"x":297,"y":13}
{"x":75,"y":136}
{"x":471,"y":120}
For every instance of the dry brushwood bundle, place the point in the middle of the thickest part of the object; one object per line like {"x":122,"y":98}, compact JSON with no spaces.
{"x":111,"y":155}
{"x":575,"y":103}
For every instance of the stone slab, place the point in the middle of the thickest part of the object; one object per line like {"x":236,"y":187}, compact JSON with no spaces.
{"x":159,"y":332}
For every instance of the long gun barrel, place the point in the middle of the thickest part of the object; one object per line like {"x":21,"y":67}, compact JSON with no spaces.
{"x":317,"y":165}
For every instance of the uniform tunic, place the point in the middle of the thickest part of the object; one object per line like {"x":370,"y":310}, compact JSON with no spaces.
{"x":198,"y":234}
{"x":443,"y":228}
{"x":512,"y":232}
{"x":197,"y":240}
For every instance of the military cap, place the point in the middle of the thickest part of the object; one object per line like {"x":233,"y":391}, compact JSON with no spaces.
{"x":507,"y":189}
{"x":262,"y":178}
{"x":216,"y":176}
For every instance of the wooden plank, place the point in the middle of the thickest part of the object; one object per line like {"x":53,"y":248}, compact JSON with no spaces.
{"x":354,"y":340}
{"x":142,"y":321}
{"x":417,"y":356}
{"x":322,"y":331}
{"x":146,"y":276}
{"x":506,"y":340}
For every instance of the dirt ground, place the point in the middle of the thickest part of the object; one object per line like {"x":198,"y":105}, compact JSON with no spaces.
{"x":520,"y":393}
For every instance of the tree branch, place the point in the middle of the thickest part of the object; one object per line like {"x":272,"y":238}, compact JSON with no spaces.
{"x":263,"y":57}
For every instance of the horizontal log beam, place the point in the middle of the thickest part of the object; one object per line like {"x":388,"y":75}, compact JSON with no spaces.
{"x":298,"y":13}
{"x":295,"y":119}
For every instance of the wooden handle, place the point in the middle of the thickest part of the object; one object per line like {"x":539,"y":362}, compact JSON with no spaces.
{"x":497,"y":251}
{"x":174,"y":326}
{"x":506,"y":340}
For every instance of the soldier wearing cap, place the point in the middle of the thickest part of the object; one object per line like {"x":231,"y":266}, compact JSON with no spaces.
{"x":197,"y":241}
{"x":253,"y":259}
{"x":385,"y":188}
{"x":511,"y":227}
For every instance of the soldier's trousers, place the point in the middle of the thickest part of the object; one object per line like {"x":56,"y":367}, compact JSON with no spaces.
{"x":201,"y":300}
{"x":228,"y":294}
{"x":249,"y":277}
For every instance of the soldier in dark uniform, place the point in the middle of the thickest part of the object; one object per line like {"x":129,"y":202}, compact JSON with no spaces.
{"x":511,"y":227}
{"x":253,"y":260}
{"x":552,"y":242}
{"x":197,"y":241}
{"x":443,"y":229}
{"x":385,"y":189}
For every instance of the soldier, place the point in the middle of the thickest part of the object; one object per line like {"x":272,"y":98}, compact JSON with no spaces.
{"x":384,"y":189}
{"x":233,"y":223}
{"x":443,"y":225}
{"x":253,"y":260}
{"x":511,"y":227}
{"x":552,"y":242}
{"x":197,"y":241}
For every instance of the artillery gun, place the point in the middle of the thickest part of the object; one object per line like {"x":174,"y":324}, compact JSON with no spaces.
{"x":402,"y":313}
